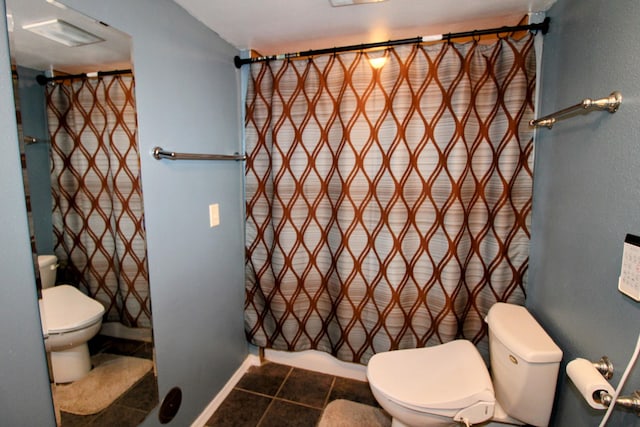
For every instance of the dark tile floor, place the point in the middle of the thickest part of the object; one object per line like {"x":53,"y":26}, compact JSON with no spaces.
{"x":273,"y":395}
{"x":132,"y":407}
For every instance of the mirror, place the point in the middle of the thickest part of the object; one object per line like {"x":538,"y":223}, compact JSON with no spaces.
{"x":79,"y":151}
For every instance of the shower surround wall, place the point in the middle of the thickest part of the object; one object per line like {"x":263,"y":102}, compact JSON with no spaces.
{"x":587,"y":195}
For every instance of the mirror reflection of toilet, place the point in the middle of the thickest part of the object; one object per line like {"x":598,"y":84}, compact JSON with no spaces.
{"x":69,"y":320}
{"x":449,"y":384}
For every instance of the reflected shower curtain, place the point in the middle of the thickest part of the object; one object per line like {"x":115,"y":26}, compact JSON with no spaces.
{"x":387,"y":208}
{"x":97,"y":213}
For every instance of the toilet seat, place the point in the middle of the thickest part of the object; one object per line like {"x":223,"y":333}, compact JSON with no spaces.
{"x":456,"y":377}
{"x":67,"y":309}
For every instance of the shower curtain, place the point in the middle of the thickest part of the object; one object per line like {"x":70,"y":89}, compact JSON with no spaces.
{"x":97,"y":214}
{"x":389,"y":207}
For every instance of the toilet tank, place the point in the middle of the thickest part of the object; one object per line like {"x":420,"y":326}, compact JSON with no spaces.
{"x":524,"y":364}
{"x":48,"y":266}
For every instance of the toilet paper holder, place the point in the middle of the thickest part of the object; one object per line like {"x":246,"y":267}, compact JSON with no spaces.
{"x":631,"y":402}
{"x":605,"y":367}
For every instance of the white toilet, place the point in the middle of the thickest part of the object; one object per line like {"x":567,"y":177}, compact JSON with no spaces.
{"x":449,"y":384}
{"x":69,"y":320}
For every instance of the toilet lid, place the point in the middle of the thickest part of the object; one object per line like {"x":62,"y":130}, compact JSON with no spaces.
{"x":67,"y":309}
{"x":446,"y":376}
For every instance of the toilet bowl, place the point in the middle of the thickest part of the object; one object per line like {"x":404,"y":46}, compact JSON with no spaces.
{"x":449,"y":384}
{"x":453,"y":380}
{"x":69,"y":320}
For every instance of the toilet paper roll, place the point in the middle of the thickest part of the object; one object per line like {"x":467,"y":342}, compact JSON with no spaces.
{"x":588,"y":381}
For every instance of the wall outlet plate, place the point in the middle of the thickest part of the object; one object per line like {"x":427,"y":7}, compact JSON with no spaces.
{"x":214,"y":215}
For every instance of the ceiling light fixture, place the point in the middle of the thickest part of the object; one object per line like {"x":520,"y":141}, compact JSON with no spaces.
{"x":378,"y":63}
{"x":336,"y":3}
{"x":378,"y":59}
{"x":62,"y":32}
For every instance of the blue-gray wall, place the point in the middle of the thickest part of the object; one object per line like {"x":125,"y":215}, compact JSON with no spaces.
{"x":586,"y":198}
{"x":187,"y":94}
{"x":587,"y":195}
{"x":34,"y":124}
{"x":25,"y":397}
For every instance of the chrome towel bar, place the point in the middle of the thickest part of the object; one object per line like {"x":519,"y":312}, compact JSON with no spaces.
{"x":158,"y":153}
{"x":33,"y":140}
{"x":610,"y":104}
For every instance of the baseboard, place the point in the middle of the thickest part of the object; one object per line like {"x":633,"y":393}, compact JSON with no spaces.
{"x":318,"y":361}
{"x":118,"y":330}
{"x":251,"y":360}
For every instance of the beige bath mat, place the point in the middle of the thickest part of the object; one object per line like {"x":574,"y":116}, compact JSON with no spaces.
{"x":109,"y":379}
{"x":344,"y":413}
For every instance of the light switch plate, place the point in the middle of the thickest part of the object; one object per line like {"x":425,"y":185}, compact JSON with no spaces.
{"x":629,"y":281}
{"x":214,"y":215}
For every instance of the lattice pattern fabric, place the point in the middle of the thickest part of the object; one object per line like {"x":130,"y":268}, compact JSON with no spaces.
{"x":98,"y":216}
{"x":387,"y":208}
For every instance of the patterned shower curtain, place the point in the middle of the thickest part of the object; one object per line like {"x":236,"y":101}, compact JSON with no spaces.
{"x":97,"y":214}
{"x":387,"y":208}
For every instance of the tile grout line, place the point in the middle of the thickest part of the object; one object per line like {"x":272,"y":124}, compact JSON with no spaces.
{"x":326,"y":399}
{"x":306,"y":405}
{"x":273,"y":398}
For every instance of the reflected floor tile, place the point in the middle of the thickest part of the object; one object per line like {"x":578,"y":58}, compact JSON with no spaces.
{"x":121,"y":416}
{"x":143,"y":395}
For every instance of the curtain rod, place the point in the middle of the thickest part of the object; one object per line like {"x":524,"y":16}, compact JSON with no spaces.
{"x":43,"y":80}
{"x":542,"y":26}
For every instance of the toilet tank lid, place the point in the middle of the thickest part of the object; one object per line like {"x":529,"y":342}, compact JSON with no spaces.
{"x":46,"y":260}
{"x":519,"y":331}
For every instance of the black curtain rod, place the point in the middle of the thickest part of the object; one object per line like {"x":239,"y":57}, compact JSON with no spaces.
{"x":43,"y":80}
{"x":542,"y":26}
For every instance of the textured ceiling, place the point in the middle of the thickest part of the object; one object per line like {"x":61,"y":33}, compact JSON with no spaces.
{"x":267,"y":26}
{"x":272,"y":26}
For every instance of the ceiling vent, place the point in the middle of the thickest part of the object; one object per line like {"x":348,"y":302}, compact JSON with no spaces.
{"x":336,"y":3}
{"x":62,"y":32}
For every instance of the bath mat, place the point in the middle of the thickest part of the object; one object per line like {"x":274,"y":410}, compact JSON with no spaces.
{"x":345,"y":413}
{"x":111,"y":377}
